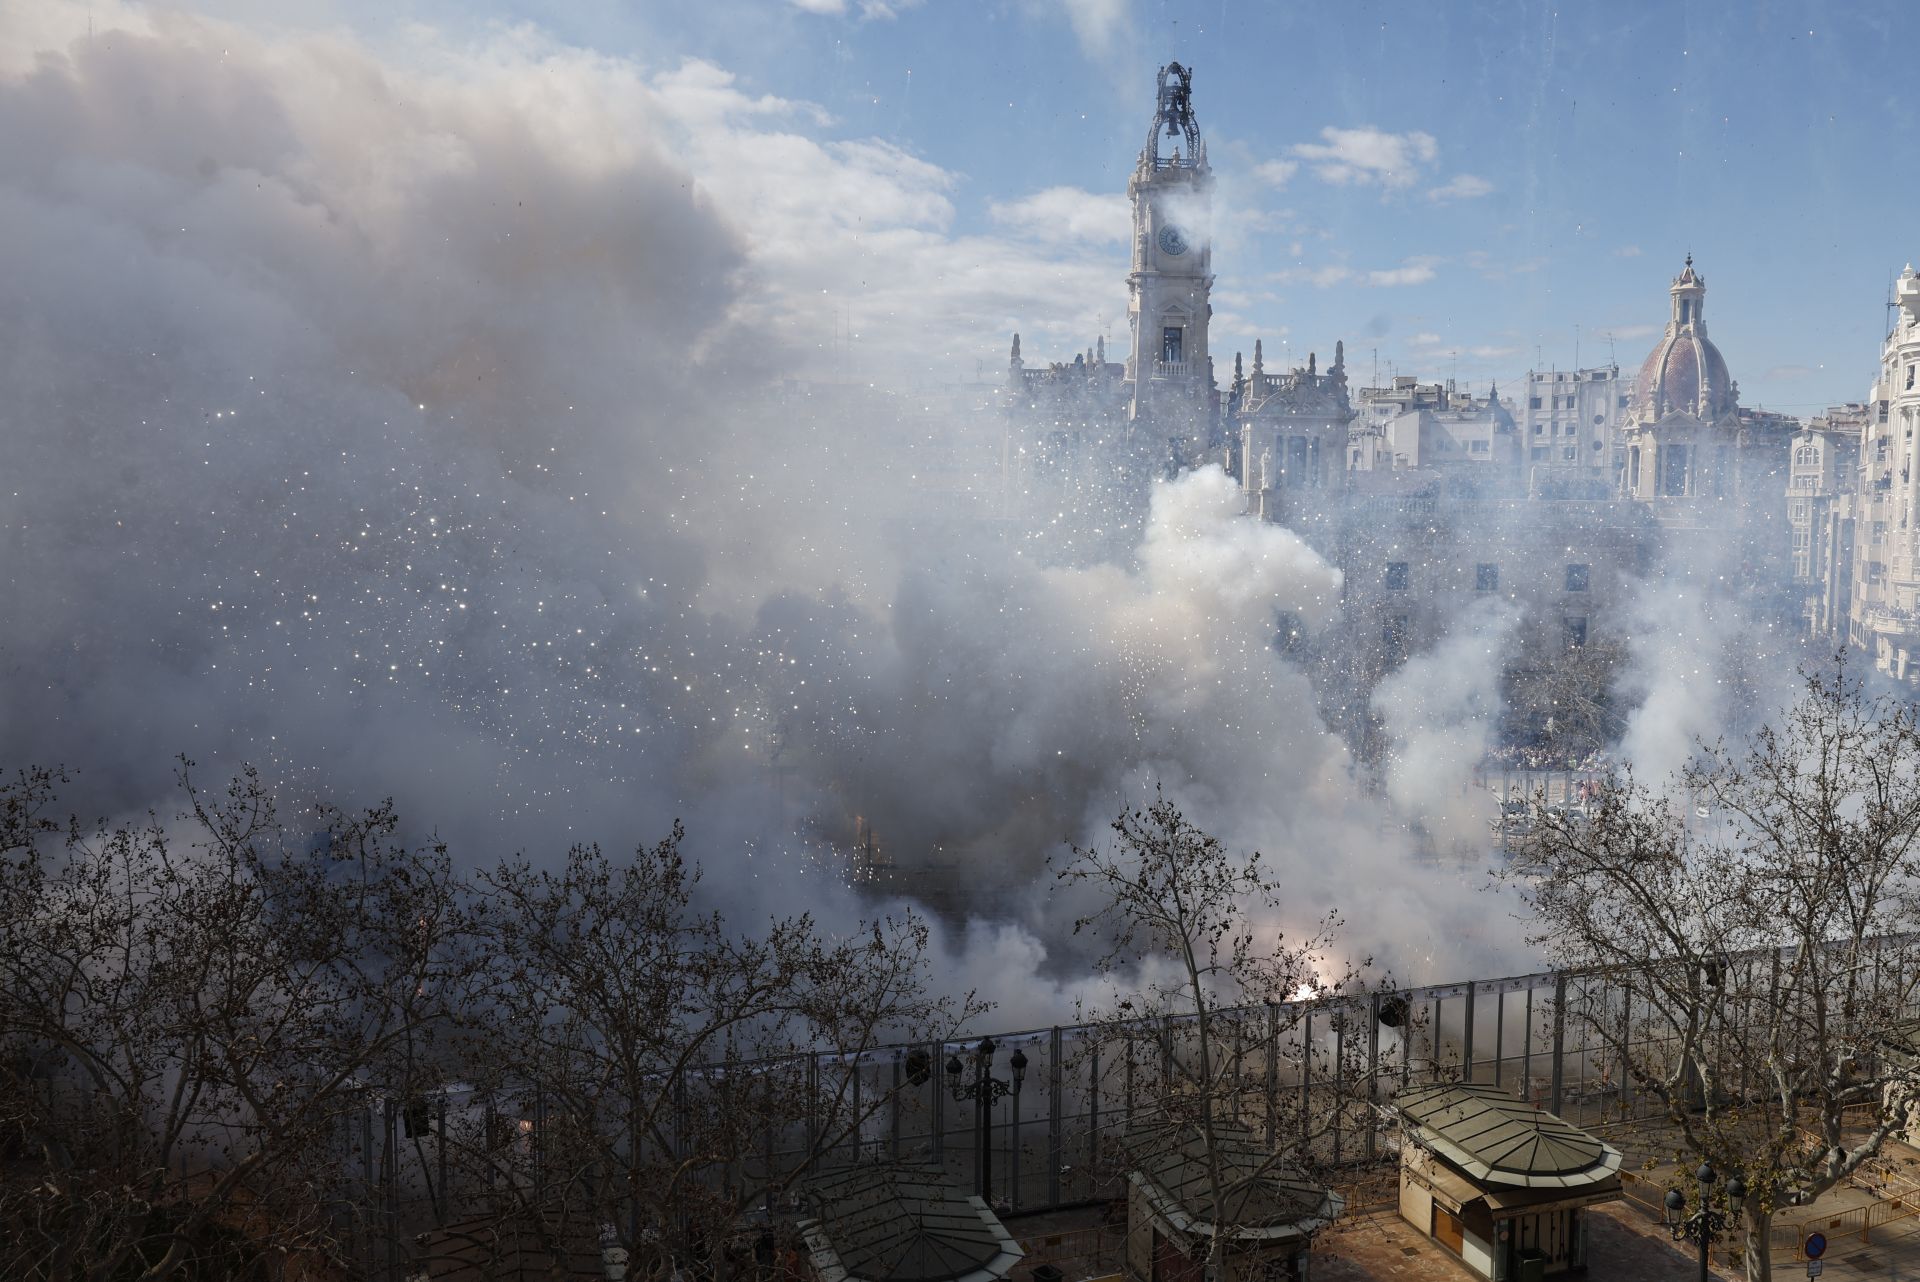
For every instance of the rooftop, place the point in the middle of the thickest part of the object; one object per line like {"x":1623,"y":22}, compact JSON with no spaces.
{"x":1501,"y":1140}
{"x":888,"y":1223}
{"x":1264,"y":1199}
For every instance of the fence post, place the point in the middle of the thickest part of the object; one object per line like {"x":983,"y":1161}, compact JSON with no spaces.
{"x":1499,"y":1030}
{"x":1093,"y":1112}
{"x":1559,"y":1036}
{"x":1626,"y":1045}
{"x":1273,"y":1073}
{"x":1466,"y":1036}
{"x":1526,"y":1048}
{"x":1056,"y":1090}
{"x":1306,"y":1074}
{"x":1373,"y":1069}
{"x":939,"y":1104}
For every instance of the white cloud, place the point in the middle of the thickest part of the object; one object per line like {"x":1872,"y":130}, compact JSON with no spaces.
{"x":869,"y":9}
{"x":1630,"y":332}
{"x":1276,"y":173}
{"x":1627,"y":251}
{"x":1427,"y":339}
{"x":1414,"y":271}
{"x":1098,"y":25}
{"x":1366,"y":156}
{"x":1064,"y":214}
{"x":1460,"y":187}
{"x":1323,"y":277}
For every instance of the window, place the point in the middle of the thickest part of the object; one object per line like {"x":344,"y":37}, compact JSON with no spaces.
{"x":1802,"y":539}
{"x":1479,"y":447}
{"x":1598,"y":419}
{"x":1576,"y":631}
{"x":1289,"y":633}
{"x":1570,"y":453}
{"x":1577,"y":578}
{"x":1396,"y":576}
{"x":1486,"y":577}
{"x":1673,"y":471}
{"x":1170,"y":344}
{"x":1539,"y":451}
{"x":1393,"y":638}
{"x":1623,"y":403}
{"x":416,"y":1119}
{"x":1537,"y":429}
{"x":1533,"y":402}
{"x":1910,"y":370}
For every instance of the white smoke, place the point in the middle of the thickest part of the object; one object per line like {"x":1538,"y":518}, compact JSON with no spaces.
{"x":416,"y":427}
{"x":1441,"y":709}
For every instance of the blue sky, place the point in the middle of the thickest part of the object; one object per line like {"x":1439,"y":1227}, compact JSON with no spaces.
{"x":1450,"y":188}
{"x":1612,"y":139}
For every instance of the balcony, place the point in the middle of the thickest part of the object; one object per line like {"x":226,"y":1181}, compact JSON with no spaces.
{"x":1174,"y":369}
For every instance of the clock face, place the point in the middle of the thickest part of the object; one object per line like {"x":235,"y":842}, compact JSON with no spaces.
{"x":1173,"y":241}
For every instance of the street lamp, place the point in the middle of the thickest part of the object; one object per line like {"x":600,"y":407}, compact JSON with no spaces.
{"x":1706,"y":1224}
{"x":985,"y":1090}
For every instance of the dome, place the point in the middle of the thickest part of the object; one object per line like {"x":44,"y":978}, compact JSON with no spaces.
{"x":1671,"y":378}
{"x":1684,"y":373}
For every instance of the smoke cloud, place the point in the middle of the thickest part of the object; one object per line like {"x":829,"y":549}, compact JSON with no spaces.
{"x":430,"y":425}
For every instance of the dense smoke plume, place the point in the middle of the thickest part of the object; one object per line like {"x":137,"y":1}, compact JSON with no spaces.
{"x":1442,"y":713}
{"x":416,"y":428}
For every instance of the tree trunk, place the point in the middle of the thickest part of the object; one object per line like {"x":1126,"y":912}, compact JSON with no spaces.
{"x":1759,"y":1235}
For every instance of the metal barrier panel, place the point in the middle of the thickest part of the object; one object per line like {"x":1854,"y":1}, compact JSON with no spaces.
{"x":1302,"y":1074}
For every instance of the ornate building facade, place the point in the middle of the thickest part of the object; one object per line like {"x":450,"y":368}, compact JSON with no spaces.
{"x":1431,"y":502}
{"x":1884,"y":612}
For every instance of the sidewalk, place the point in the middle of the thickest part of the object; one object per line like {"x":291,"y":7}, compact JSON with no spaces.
{"x":1380,"y":1245}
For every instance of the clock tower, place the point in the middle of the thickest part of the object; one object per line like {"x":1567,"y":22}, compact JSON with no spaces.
{"x":1170,"y":371}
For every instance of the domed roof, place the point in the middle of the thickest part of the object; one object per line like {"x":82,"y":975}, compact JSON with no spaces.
{"x":1671,"y":379}
{"x":1684,"y":373}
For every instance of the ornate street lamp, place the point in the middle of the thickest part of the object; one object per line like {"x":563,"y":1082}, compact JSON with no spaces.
{"x":985,"y":1090}
{"x":1705,"y":1225}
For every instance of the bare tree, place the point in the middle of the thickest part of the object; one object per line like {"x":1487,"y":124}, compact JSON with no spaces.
{"x":1564,"y":701}
{"x":676,"y":1057}
{"x":1742,"y":945}
{"x":1207,"y":989}
{"x":189,"y":1013}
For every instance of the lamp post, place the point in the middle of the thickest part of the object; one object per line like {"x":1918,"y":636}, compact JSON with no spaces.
{"x":1706,"y":1224}
{"x":984,"y":1091}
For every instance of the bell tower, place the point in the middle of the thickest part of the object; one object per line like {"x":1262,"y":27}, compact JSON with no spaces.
{"x":1171,"y":391}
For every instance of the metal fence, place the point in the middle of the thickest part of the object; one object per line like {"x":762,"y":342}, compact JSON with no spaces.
{"x":1332,"y":1063}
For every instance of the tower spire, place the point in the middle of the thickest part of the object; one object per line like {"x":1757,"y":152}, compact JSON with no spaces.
{"x":1173,"y":116}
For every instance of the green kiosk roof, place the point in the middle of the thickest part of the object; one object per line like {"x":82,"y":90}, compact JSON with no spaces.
{"x":1264,"y":1198}
{"x":896,"y":1223}
{"x":1498,"y":1139}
